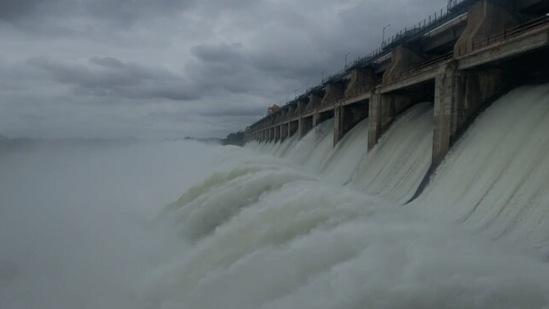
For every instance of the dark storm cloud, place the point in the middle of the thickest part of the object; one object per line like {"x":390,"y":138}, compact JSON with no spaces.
{"x":107,"y":76}
{"x":14,"y":9}
{"x":118,"y":11}
{"x":214,"y":65}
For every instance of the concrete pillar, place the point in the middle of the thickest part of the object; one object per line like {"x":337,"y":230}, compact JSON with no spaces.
{"x":362,"y":81}
{"x":293,"y":127}
{"x":338,"y":123}
{"x":277,"y":133}
{"x":346,"y":117}
{"x":459,"y":97}
{"x":283,"y":131}
{"x":271,"y":134}
{"x":403,"y":59}
{"x":315,"y":100}
{"x":316,"y":119}
{"x":383,"y":109}
{"x":305,"y":125}
{"x":485,"y":18}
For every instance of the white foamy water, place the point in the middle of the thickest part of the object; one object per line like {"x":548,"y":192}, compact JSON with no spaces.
{"x":497,"y":176}
{"x":396,"y":166}
{"x":329,"y":231}
{"x":76,"y":220}
{"x":297,"y":224}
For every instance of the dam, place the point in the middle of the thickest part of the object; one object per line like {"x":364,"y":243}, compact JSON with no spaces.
{"x":301,"y":223}
{"x":417,"y":177}
{"x":460,"y":59}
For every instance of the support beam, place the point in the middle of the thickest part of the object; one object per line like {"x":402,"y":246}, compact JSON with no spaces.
{"x":316,"y":119}
{"x":346,"y":117}
{"x":459,"y":97}
{"x":383,"y":109}
{"x":404,"y":58}
{"x":305,"y":125}
{"x":486,"y":18}
{"x":283,"y":131}
{"x":293,"y":127}
{"x":339,"y":121}
{"x":334,"y":93}
{"x":362,"y":81}
{"x":277,"y":133}
{"x":315,"y":99}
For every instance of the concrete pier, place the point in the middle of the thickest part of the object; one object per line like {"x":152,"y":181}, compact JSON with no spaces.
{"x":334,"y":93}
{"x":283,"y":131}
{"x":305,"y":125}
{"x":459,"y":97}
{"x":485,"y":18}
{"x":383,"y":109}
{"x":362,"y":81}
{"x":404,"y":58}
{"x":293,"y":127}
{"x":346,"y":117}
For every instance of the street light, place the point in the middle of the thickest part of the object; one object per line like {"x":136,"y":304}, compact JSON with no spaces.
{"x":383,"y":34}
{"x":346,"y":55}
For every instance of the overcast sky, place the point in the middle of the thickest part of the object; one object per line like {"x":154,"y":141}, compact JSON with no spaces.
{"x":169,"y":68}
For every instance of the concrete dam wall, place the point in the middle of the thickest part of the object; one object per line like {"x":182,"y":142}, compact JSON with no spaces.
{"x":448,"y":116}
{"x":300,"y":223}
{"x":460,"y":61}
{"x":494,"y":180}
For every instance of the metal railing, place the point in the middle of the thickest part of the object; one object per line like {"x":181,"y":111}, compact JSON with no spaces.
{"x":509,"y":33}
{"x":419,"y":68}
{"x":453,"y":10}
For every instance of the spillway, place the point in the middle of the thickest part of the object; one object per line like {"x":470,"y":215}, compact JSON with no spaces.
{"x":395,"y":167}
{"x":326,"y":227}
{"x":496,"y":178}
{"x":393,"y":170}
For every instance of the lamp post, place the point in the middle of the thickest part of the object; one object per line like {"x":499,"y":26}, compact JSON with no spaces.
{"x":346,"y":55}
{"x":383,"y":34}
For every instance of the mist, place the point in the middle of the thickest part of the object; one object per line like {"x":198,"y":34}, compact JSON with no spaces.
{"x":76,"y":220}
{"x":292,"y":224}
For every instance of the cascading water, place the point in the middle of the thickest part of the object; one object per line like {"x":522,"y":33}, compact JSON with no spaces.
{"x":285,"y":233}
{"x":497,"y":176}
{"x":395,"y":168}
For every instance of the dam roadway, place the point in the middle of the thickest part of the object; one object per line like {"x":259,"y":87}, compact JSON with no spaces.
{"x":461,"y":60}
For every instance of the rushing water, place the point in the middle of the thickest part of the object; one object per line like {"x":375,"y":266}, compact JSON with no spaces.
{"x":297,"y":224}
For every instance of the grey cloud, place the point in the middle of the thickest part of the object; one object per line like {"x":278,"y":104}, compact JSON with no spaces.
{"x":218,"y":53}
{"x":119,"y":11}
{"x":198,"y":66}
{"x":13,"y":9}
{"x":252,"y":111}
{"x":107,"y":76}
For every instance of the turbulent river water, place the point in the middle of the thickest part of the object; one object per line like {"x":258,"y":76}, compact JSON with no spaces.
{"x":298,"y":224}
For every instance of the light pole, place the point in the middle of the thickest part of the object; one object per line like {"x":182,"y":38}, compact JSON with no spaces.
{"x":346,"y":55}
{"x":383,"y":34}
